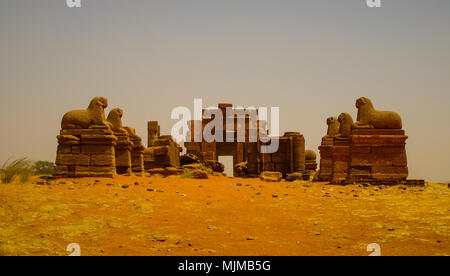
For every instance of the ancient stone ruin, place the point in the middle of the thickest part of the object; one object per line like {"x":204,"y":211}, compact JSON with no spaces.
{"x":162,"y":151}
{"x":89,"y":145}
{"x":326,"y":150}
{"x":137,"y":151}
{"x":86,"y":144}
{"x":247,"y":157}
{"x":310,"y":163}
{"x":372,"y":149}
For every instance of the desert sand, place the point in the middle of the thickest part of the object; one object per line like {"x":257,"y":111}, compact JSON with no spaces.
{"x":221,"y":216}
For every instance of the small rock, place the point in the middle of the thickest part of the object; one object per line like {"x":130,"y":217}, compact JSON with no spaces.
{"x":150,"y":190}
{"x":274,"y":196}
{"x":159,"y":238}
{"x":199,"y":174}
{"x":136,"y":183}
{"x":271,"y":176}
{"x":294,"y":177}
{"x":250,"y":238}
{"x":125,"y":186}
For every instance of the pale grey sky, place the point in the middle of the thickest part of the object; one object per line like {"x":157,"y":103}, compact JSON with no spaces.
{"x":313,"y":59}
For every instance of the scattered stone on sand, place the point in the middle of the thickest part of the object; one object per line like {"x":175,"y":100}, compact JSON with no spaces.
{"x":200,"y":174}
{"x":297,"y":176}
{"x":271,"y":176}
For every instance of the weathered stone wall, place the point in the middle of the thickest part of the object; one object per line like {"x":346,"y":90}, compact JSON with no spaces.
{"x":288,"y":159}
{"x":163,"y":153}
{"x":86,"y":153}
{"x":137,"y":155}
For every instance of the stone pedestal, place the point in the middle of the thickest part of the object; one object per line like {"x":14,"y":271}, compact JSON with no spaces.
{"x":137,"y":155}
{"x":378,"y":154}
{"x":341,"y":160}
{"x":86,"y":153}
{"x":164,"y":153}
{"x":123,"y":154}
{"x":326,"y":160}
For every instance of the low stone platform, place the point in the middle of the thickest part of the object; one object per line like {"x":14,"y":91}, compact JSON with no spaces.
{"x":86,"y":153}
{"x":375,"y":182}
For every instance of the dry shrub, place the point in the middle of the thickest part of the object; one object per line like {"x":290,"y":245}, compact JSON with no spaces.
{"x":21,"y":168}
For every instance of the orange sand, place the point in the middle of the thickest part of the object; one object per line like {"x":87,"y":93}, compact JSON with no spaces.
{"x":219,"y":217}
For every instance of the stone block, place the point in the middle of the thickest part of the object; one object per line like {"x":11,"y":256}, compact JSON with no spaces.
{"x":280,"y":157}
{"x":98,"y":139}
{"x":68,"y":140}
{"x":98,"y":149}
{"x":340,"y":167}
{"x":102,"y":160}
{"x":361,"y":150}
{"x":378,"y":140}
{"x":269,"y":176}
{"x":123,"y":158}
{"x":72,"y":159}
{"x":76,"y":149}
{"x":158,"y":151}
{"x":378,"y":132}
{"x":64,"y":149}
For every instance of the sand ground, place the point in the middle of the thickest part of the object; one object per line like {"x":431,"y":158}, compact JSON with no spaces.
{"x":221,"y":216}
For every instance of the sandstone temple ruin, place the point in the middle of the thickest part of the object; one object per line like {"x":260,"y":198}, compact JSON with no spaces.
{"x":89,"y":145}
{"x":372,"y":149}
{"x":290,"y":157}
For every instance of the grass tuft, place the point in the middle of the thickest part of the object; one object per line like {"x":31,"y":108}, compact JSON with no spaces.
{"x":19,"y":168}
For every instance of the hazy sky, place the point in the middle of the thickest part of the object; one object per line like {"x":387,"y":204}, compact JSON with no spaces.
{"x":313,"y":59}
